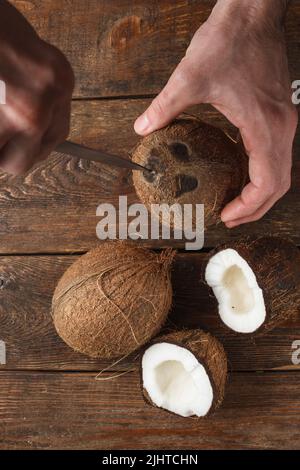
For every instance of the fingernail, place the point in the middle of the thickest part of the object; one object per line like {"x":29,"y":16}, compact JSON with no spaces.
{"x":230,"y":224}
{"x":225,"y":218}
{"x":142,"y":124}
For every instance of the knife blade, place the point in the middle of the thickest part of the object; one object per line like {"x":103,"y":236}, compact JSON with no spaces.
{"x":80,"y":151}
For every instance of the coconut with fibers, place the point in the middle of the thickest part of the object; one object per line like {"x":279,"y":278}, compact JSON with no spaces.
{"x":113,"y":299}
{"x":192,"y":163}
{"x":185,"y":373}
{"x":256,"y":283}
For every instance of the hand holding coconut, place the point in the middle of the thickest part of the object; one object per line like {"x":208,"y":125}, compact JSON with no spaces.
{"x":237,"y":62}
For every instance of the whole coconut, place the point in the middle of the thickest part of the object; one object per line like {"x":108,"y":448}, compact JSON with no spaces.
{"x":192,"y":163}
{"x":113,"y":299}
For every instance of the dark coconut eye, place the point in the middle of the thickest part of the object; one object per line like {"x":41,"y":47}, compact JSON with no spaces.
{"x":179,"y":151}
{"x":149,"y":176}
{"x":185,"y":184}
{"x":154,"y":160}
{"x":155,"y":164}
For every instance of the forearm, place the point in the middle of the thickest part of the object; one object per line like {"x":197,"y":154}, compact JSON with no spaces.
{"x":14,"y":28}
{"x":252,"y":11}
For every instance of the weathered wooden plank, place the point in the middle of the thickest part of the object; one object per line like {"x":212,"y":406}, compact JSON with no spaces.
{"x":26,"y":287}
{"x":74,"y":411}
{"x":53,"y":208}
{"x":129,"y":48}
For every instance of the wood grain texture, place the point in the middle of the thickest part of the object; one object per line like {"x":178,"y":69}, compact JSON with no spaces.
{"x":119,"y":49}
{"x":53,"y":208}
{"x":74,"y":411}
{"x":27,"y":284}
{"x":129,"y":48}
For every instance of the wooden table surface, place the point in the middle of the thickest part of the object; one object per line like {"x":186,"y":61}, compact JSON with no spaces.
{"x":122,"y":53}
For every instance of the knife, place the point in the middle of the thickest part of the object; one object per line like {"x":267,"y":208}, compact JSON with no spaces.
{"x":80,"y":151}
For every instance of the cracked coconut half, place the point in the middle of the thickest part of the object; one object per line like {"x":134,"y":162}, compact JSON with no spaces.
{"x":185,"y":373}
{"x":256,"y":283}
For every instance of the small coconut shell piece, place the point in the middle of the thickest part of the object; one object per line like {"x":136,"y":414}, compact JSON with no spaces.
{"x":185,"y":373}
{"x":256,"y":283}
{"x":113,"y":299}
{"x":192,"y":163}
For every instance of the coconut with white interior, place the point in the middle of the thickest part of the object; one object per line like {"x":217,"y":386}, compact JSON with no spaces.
{"x":256,"y":283}
{"x":185,"y":373}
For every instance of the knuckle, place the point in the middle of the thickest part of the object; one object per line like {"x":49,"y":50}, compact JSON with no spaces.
{"x":55,"y":73}
{"x":286,"y":185}
{"x":31,"y":123}
{"x":63,"y":69}
{"x":15,"y":168}
{"x":183,"y":75}
{"x":46,"y":77}
{"x":159,"y":104}
{"x":187,"y":78}
{"x":32,"y":120}
{"x":271,"y":186}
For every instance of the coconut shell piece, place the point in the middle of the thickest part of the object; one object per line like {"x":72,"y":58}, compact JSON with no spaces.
{"x":193,"y":163}
{"x":208,"y":351}
{"x":113,"y":299}
{"x":275,"y":263}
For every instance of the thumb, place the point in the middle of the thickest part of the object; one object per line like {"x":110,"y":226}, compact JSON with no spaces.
{"x":171,"y":101}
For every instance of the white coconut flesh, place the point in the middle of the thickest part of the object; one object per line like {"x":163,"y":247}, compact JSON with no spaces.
{"x":176,"y":381}
{"x":241,"y":301}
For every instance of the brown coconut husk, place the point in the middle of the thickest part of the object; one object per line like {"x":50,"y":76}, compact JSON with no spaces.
{"x":208,"y":351}
{"x":193,"y":163}
{"x":276,"y":264}
{"x":113,"y":299}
